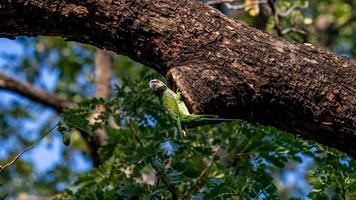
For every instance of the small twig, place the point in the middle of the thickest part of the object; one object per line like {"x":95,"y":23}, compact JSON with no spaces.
{"x":263,"y":191}
{"x":214,"y":2}
{"x":200,"y":177}
{"x":166,"y":182}
{"x":287,"y":30}
{"x":342,"y":176}
{"x":223,"y":194}
{"x":27,"y":149}
{"x":277,"y":26}
{"x":278,"y":15}
{"x":242,"y":6}
{"x":160,"y":173}
{"x":292,"y":9}
{"x":133,"y":131}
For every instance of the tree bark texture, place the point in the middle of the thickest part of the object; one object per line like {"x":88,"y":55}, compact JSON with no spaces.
{"x":220,"y":65}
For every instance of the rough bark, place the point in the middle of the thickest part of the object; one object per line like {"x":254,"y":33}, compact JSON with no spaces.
{"x":33,"y":93}
{"x":221,"y":66}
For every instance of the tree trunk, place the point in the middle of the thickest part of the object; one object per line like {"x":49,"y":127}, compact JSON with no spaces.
{"x":220,"y":66}
{"x":103,"y":89}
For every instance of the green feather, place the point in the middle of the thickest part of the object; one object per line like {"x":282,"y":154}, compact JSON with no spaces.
{"x":177,"y":109}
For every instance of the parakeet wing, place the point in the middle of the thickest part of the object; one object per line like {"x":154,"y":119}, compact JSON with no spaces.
{"x":181,"y":105}
{"x":170,"y":103}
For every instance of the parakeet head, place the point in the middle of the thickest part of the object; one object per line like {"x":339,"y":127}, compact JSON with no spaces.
{"x":157,"y":86}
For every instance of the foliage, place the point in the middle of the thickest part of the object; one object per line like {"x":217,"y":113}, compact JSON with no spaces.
{"x":3,"y":194}
{"x":334,"y":177}
{"x":144,"y":158}
{"x":59,"y":67}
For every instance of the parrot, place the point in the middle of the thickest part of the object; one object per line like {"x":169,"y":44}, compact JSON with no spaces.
{"x":177,"y":109}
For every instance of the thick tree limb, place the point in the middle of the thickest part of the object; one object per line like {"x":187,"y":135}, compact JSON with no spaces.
{"x":33,"y":93}
{"x":220,"y":65}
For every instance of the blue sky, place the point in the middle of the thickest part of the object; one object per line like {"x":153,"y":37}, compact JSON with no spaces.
{"x":48,"y":152}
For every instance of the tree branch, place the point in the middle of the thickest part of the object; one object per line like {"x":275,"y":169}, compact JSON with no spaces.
{"x":242,"y":6}
{"x":27,"y":149}
{"x":292,"y":9}
{"x":214,"y":2}
{"x":220,"y":66}
{"x":33,"y":93}
{"x":41,"y":96}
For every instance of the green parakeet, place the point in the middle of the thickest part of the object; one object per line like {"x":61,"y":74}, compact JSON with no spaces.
{"x":177,"y":109}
